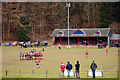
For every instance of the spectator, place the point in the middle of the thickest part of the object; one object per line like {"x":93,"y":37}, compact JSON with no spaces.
{"x":38,"y":43}
{"x":21,"y":45}
{"x":62,"y":69}
{"x":68,"y":67}
{"x":93,"y":67}
{"x":77,"y":66}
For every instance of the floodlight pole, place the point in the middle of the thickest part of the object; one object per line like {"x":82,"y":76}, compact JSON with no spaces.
{"x":68,"y":5}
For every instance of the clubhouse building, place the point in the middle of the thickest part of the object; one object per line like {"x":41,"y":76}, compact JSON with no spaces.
{"x":85,"y":37}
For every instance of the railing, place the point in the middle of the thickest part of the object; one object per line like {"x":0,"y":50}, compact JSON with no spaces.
{"x":6,"y":73}
{"x":46,"y":73}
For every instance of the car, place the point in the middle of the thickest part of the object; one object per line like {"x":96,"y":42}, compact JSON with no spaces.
{"x":29,"y":43}
{"x":35,"y":44}
{"x":14,"y":43}
{"x":8,"y":44}
{"x":21,"y":43}
{"x":44,"y":43}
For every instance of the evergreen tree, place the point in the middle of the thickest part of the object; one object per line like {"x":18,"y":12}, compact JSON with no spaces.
{"x":116,"y":11}
{"x":23,"y":31}
{"x":106,"y":12}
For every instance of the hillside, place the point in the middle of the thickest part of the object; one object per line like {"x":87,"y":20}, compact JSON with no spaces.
{"x":37,"y":20}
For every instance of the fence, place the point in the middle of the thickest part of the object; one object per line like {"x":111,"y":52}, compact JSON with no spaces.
{"x":20,"y":73}
{"x":46,"y":73}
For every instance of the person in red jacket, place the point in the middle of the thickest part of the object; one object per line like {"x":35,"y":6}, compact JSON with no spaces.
{"x":62,"y":69}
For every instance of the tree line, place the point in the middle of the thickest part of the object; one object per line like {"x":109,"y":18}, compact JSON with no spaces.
{"x":36,"y":20}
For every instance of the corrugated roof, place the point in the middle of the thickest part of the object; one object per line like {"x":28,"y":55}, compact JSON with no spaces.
{"x":88,"y":32}
{"x":115,"y":36}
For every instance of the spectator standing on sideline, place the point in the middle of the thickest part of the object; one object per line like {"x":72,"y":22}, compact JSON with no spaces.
{"x":68,"y":67}
{"x":93,"y":67}
{"x":21,"y":45}
{"x":38,"y":43}
{"x":62,"y":69}
{"x":77,"y":66}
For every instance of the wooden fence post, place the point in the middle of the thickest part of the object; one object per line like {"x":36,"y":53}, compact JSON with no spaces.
{"x":33,"y":72}
{"x":74,"y":73}
{"x":117,"y":74}
{"x":102,"y":74}
{"x":60,"y":73}
{"x":87,"y":74}
{"x":6,"y":72}
{"x":19,"y":72}
{"x":46,"y":73}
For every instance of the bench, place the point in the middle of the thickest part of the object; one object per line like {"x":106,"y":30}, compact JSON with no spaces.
{"x":72,"y":73}
{"x":97,"y":73}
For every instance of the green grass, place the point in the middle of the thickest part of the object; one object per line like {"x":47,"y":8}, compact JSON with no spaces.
{"x":52,"y":61}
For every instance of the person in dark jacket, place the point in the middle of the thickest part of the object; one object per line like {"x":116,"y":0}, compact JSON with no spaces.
{"x":68,"y":67}
{"x":77,"y":66}
{"x":93,"y":67}
{"x":38,"y":43}
{"x":21,"y":45}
